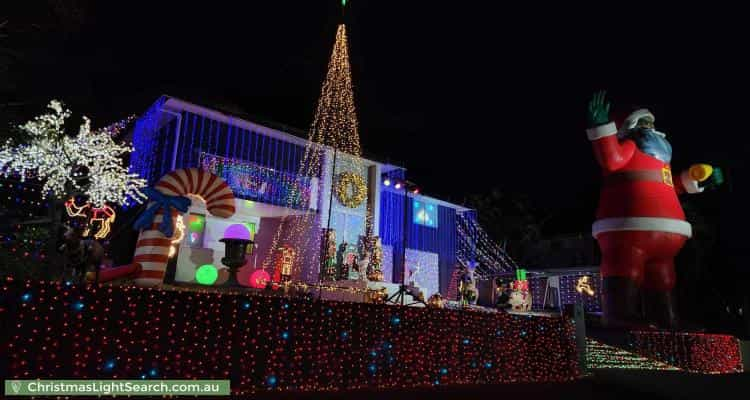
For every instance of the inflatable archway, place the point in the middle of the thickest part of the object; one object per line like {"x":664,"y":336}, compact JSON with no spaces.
{"x":152,"y":248}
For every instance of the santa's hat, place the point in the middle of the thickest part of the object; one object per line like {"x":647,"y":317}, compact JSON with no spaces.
{"x":631,"y":121}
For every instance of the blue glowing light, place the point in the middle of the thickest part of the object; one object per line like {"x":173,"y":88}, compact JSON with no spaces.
{"x":425,"y":214}
{"x":443,"y":371}
{"x":286,"y":306}
{"x":395,"y":320}
{"x":271,"y":381}
{"x":152,"y":372}
{"x":78,"y":306}
{"x":344,"y":335}
{"x":26,"y":297}
{"x":466,"y":342}
{"x":329,"y":312}
{"x":109,"y":365}
{"x":387,"y":345}
{"x":246,"y":305}
{"x":372,"y":368}
{"x":373,"y":354}
{"x":285,"y":335}
{"x":488,"y":365}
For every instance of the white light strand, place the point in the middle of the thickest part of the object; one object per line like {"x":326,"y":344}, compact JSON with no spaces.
{"x":60,"y":160}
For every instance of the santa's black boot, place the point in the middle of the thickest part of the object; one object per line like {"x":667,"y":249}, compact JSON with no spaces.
{"x":620,"y":302}
{"x":660,"y":308}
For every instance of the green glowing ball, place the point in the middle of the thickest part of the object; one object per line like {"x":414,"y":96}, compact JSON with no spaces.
{"x":206,"y":274}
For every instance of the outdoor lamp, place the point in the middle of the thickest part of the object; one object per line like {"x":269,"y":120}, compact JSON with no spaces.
{"x":234,"y":257}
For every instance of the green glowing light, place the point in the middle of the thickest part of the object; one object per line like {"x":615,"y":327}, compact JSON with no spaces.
{"x":206,"y":274}
{"x":197,"y":222}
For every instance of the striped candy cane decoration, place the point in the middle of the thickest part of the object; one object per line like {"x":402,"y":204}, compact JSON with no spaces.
{"x":152,"y":248}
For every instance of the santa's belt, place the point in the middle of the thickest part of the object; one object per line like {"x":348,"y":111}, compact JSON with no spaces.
{"x":663,"y":176}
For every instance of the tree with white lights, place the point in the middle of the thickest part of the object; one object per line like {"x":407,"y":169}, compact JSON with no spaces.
{"x":89,"y":163}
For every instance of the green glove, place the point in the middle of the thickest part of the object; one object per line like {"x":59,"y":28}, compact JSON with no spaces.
{"x":598,"y":112}
{"x":713,"y":181}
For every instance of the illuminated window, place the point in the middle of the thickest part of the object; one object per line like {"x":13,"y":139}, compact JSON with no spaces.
{"x":425,"y":213}
{"x":196,"y":227}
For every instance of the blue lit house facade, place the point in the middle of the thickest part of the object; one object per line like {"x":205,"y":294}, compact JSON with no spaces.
{"x":277,"y":186}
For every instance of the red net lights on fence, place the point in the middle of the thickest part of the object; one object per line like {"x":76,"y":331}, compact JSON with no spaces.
{"x":695,"y":352}
{"x":272,"y":343}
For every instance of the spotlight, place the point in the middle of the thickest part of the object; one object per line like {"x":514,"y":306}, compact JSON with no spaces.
{"x":387,"y":182}
{"x":398,"y":185}
{"x":415,"y":191}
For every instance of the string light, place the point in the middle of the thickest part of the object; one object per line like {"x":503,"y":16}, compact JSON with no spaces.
{"x":475,"y":244}
{"x":334,"y":127}
{"x":89,"y":163}
{"x":127,"y":332}
{"x":603,"y":356}
{"x":178,"y":235}
{"x":115,"y":129}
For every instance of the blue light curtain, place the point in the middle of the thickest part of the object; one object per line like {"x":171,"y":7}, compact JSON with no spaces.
{"x":440,"y":240}
{"x":155,"y":146}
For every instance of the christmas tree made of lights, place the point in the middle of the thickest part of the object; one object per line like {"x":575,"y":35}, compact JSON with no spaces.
{"x":335,"y":121}
{"x":334,"y":126}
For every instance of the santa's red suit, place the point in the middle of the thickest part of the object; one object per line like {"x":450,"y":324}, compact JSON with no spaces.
{"x":640,"y":225}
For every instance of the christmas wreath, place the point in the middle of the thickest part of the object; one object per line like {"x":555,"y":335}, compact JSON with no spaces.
{"x":351,"y":189}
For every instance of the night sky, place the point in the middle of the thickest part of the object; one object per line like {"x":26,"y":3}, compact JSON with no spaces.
{"x":468,"y":97}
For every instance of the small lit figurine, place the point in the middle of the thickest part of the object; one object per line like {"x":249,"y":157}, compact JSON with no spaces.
{"x":584,"y":286}
{"x":375,"y":271}
{"x":520,"y":298}
{"x":436,"y":301}
{"x":283,"y":270}
{"x":467,"y":288}
{"x":330,"y":270}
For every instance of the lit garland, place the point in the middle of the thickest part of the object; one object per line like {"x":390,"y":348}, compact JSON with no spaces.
{"x":267,"y":343}
{"x":89,"y":163}
{"x":350,"y":189}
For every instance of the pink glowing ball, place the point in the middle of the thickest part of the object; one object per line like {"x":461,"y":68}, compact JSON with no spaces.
{"x":259,"y":278}
{"x":237,"y":231}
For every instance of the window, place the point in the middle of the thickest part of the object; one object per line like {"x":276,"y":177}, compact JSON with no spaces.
{"x":425,"y":213}
{"x":196,"y":227}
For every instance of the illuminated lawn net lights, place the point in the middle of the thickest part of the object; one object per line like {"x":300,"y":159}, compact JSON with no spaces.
{"x":272,"y":343}
{"x":603,"y":356}
{"x":694,"y":352}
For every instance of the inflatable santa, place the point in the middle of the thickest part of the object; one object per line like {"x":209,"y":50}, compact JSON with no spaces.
{"x":640,"y":225}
